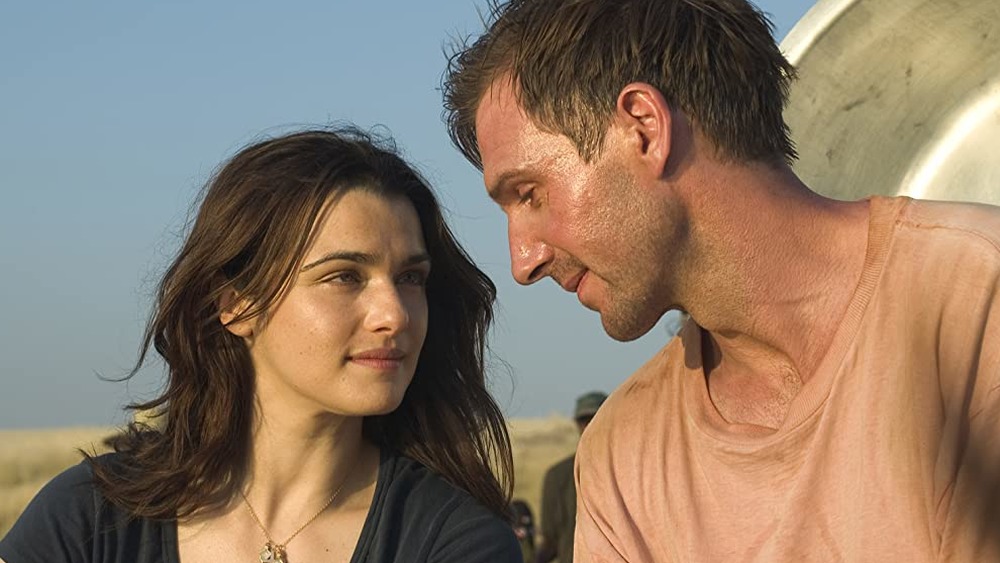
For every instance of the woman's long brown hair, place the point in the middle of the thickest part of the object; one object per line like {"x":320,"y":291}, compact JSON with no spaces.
{"x":253,"y":226}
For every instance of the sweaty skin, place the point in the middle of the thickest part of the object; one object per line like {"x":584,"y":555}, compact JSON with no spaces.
{"x":657,"y":221}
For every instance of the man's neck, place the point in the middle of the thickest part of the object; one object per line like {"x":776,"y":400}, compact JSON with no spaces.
{"x":777,"y":266}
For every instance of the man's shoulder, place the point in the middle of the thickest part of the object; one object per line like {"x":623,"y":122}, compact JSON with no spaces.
{"x":647,"y":386}
{"x":642,"y":402}
{"x":953,"y":248}
{"x":975,"y":223}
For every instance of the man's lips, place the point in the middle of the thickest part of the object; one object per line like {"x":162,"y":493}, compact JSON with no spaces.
{"x":573,"y":283}
{"x":578,"y":284}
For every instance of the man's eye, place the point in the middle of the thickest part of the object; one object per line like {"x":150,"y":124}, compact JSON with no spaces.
{"x":527,"y":196}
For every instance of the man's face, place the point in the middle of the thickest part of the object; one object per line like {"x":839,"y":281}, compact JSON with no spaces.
{"x":589,"y":226}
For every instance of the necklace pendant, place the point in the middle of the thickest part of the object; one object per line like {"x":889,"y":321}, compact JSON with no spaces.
{"x":268,"y":554}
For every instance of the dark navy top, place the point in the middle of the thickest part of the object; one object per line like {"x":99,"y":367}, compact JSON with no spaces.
{"x":415,"y":516}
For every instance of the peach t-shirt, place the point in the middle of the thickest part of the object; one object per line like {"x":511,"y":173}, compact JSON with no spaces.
{"x":888,"y":453}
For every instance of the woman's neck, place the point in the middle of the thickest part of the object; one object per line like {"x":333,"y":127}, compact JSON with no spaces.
{"x":297,"y":463}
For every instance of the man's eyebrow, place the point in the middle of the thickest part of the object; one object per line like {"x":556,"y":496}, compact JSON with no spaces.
{"x":364,"y":258}
{"x":495,"y":189}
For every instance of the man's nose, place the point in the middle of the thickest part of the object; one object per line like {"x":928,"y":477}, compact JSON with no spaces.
{"x":529,"y":256}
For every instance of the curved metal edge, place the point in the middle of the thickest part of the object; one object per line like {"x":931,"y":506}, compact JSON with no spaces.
{"x":930,"y":158}
{"x":811,"y":27}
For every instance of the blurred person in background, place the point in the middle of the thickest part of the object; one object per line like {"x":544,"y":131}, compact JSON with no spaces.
{"x":524,"y":528}
{"x":559,"y":492}
{"x":324,"y":337}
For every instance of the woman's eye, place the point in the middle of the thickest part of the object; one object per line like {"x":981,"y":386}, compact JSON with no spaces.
{"x":344,"y":278}
{"x":413,"y":277}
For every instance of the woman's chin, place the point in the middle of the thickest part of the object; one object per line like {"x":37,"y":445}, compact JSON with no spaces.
{"x":384,"y":407}
{"x":378,"y":403}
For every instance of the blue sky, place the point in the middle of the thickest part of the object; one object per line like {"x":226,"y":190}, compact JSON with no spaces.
{"x":114,"y":114}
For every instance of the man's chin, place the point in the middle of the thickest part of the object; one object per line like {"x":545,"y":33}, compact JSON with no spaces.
{"x":626,"y":330}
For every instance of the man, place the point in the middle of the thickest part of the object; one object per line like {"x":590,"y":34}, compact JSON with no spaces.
{"x":559,"y":492}
{"x":836,"y":396}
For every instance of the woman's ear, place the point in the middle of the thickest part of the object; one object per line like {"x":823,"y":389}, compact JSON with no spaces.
{"x":231,"y":306}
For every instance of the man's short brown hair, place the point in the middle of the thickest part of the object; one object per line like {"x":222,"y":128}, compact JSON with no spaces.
{"x":716,"y":60}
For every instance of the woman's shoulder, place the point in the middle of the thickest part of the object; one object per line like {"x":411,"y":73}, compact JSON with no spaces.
{"x":428,"y":492}
{"x":420,"y":482}
{"x":61,"y":515}
{"x":423,"y":508}
{"x":70,"y":491}
{"x":70,"y":520}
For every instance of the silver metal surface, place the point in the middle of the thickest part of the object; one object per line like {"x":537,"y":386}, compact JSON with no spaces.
{"x":898,"y":97}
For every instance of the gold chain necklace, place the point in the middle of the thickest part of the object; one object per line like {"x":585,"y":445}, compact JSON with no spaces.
{"x":274,"y":552}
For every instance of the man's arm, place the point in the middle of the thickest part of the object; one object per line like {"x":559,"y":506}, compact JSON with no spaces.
{"x":593,"y":539}
{"x":590,"y":543}
{"x":969,"y":352}
{"x":971,"y":530}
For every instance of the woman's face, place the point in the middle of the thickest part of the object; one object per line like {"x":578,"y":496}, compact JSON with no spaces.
{"x":345,"y":337}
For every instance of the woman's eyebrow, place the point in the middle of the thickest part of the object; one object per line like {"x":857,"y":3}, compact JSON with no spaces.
{"x":417,"y":259}
{"x":365,"y":258}
{"x":350,"y":256}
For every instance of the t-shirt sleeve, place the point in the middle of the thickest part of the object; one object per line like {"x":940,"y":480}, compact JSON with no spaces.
{"x":589,"y":538}
{"x":972,"y":525}
{"x":597,"y":498}
{"x":472,"y":534}
{"x":58,"y":524}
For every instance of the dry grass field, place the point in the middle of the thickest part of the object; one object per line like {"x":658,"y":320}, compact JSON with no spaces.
{"x":538,"y":443}
{"x":29,"y":458}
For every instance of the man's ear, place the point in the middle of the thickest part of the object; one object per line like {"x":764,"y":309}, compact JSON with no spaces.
{"x":231,"y":306}
{"x":644,"y":116}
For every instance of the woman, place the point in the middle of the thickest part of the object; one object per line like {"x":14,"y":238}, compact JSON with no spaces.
{"x":324,"y":334}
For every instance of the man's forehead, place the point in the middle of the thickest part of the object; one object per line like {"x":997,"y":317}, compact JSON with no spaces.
{"x":496,"y":127}
{"x":512,"y":147}
{"x":498,"y":105}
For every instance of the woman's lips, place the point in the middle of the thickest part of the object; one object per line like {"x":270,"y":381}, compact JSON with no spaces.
{"x":379,"y":358}
{"x":379,"y":364}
